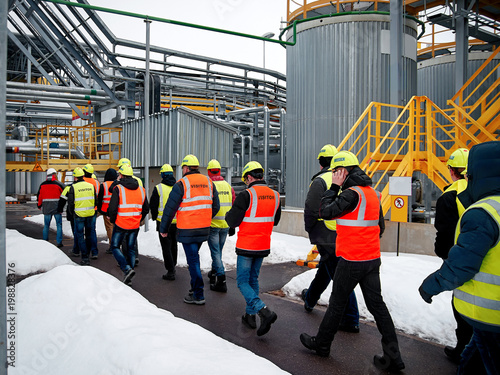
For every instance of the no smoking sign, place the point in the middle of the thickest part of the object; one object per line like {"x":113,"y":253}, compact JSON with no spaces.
{"x":399,"y":202}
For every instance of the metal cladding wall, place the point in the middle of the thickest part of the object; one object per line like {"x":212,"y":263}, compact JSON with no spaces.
{"x":175,"y":134}
{"x":436,"y":77}
{"x":337,"y":67}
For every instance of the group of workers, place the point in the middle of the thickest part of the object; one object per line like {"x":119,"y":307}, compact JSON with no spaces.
{"x":344,"y":219}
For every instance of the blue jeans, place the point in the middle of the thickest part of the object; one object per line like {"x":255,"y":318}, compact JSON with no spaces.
{"x":324,"y":274}
{"x":247,"y":277}
{"x":46,"y":227}
{"x":193,"y":259}
{"x":216,"y":241}
{"x":83,"y":227}
{"x":367,"y":275}
{"x":116,"y":240}
{"x":488,"y":345}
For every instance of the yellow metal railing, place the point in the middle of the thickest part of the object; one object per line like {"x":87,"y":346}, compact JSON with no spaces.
{"x":421,"y":138}
{"x":296,"y":8}
{"x":66,"y":147}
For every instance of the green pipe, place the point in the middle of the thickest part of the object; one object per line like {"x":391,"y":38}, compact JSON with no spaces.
{"x":295,"y":22}
{"x":164,"y":20}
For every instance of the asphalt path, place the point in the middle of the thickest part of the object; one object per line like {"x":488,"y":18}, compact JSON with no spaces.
{"x":350,"y":353}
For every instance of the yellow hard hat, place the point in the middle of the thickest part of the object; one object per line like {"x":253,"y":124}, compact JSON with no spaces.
{"x":213,"y":164}
{"x":166,"y":168}
{"x":458,"y":159}
{"x":89,"y":168}
{"x":123,"y":161}
{"x":250,"y":166}
{"x":327,"y":151}
{"x":126,"y":170}
{"x":344,"y":159}
{"x":190,"y":161}
{"x":78,"y":172}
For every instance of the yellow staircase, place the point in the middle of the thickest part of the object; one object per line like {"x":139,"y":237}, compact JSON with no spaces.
{"x":422,"y":136}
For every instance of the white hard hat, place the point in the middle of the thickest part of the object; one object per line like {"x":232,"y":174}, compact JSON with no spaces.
{"x":51,"y":171}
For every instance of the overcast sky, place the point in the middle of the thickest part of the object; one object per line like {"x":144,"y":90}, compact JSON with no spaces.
{"x":255,"y":17}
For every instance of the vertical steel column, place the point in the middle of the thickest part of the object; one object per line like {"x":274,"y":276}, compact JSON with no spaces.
{"x":396,"y":61}
{"x":462,"y":43}
{"x":3,"y":255}
{"x":147,"y":148}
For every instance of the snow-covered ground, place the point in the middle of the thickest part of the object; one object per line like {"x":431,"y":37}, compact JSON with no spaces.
{"x":69,"y":307}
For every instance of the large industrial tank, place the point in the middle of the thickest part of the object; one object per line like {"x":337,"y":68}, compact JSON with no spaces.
{"x":339,"y":65}
{"x":436,"y":76}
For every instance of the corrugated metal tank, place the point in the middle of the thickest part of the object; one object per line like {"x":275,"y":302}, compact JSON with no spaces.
{"x":337,"y":67}
{"x":176,"y":133}
{"x":436,"y":76}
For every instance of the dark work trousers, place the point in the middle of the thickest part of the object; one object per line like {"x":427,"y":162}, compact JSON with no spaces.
{"x":324,"y":274}
{"x":473,"y":364}
{"x":168,"y":246}
{"x":367,"y":275}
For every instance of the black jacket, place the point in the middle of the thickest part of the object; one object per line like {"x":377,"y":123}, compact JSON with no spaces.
{"x":110,"y":175}
{"x":131,"y":184}
{"x":154,"y":201}
{"x":334,"y":205}
{"x":445,"y":223}
{"x":235,"y":216}
{"x":197,"y":235}
{"x":319,"y":234}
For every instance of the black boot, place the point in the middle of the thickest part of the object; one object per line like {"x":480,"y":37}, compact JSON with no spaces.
{"x":219,"y":284}
{"x":267,"y":317}
{"x":211,"y":277}
{"x":249,"y":320}
{"x":384,"y":362}
{"x":310,"y":343}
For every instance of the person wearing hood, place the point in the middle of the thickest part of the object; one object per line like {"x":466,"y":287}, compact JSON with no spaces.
{"x":360,"y":224}
{"x":103,"y":199}
{"x":159,"y":197}
{"x":323,"y":234}
{"x":127,"y":208}
{"x":472,"y":269}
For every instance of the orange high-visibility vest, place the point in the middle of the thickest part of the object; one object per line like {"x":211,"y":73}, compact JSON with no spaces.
{"x":358,"y":232}
{"x":195,"y":210}
{"x":106,"y":198}
{"x":94,"y":182}
{"x":257,"y":225}
{"x":130,"y":207}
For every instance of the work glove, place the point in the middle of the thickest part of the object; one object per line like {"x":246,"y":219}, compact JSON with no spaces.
{"x":425,"y":296}
{"x":232,"y":231}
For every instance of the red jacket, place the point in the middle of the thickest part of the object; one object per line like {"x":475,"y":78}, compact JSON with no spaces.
{"x":48,"y":196}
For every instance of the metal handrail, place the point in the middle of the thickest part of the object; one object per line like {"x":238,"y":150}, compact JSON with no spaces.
{"x":400,"y":155}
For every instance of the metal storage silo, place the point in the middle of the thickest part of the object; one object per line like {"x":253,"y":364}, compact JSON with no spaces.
{"x":436,"y":76}
{"x":339,"y":64}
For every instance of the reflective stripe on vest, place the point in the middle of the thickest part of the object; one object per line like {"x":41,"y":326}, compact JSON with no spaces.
{"x":479,"y":298}
{"x":130,"y":207}
{"x":84,"y":199}
{"x":358,"y":231}
{"x":226,"y":200}
{"x":327,"y":177}
{"x":458,"y":186}
{"x":257,"y":225}
{"x":106,"y":198}
{"x":195,"y":210}
{"x":163,"y":193}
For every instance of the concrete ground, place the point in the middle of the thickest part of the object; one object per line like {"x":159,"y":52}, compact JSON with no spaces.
{"x":350,"y":353}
